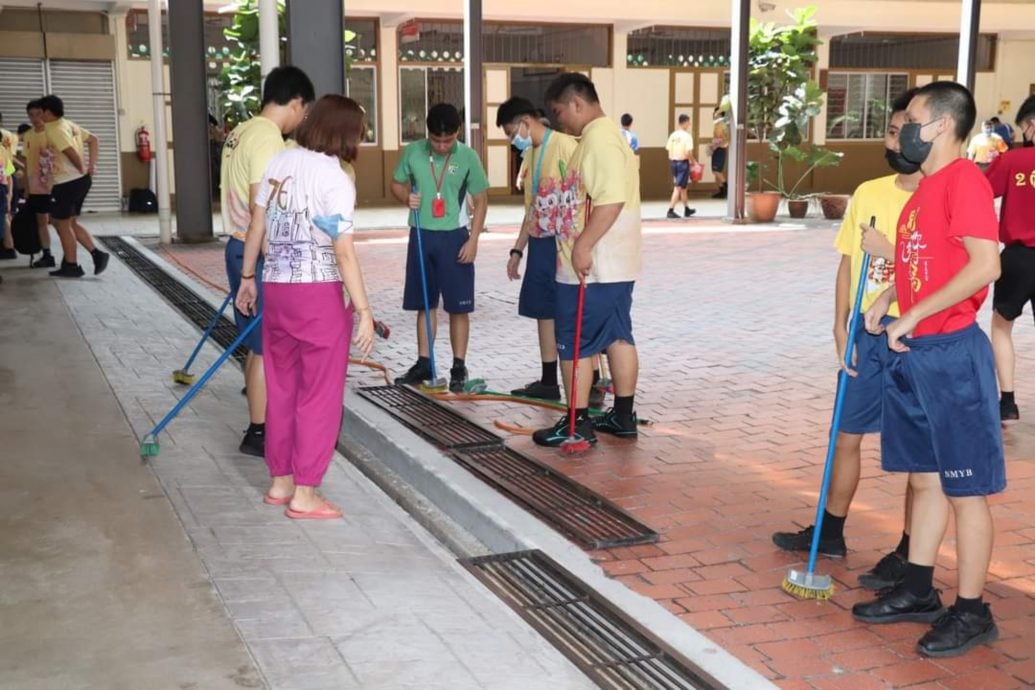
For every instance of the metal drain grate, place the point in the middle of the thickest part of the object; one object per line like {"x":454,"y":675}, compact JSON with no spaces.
{"x":429,"y":419}
{"x":610,"y":648}
{"x":572,"y":509}
{"x":185,"y":300}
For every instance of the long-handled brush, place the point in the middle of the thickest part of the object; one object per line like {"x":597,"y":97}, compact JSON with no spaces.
{"x":436,"y":383}
{"x":149,"y":446}
{"x":575,"y":443}
{"x":809,"y":584}
{"x":183,"y":376}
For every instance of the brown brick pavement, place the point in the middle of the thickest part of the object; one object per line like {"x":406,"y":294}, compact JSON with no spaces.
{"x":738,"y":374}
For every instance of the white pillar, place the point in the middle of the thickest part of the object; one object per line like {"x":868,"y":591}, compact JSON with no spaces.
{"x":388,"y":60}
{"x":970,"y":23}
{"x":269,"y":36}
{"x":160,"y":142}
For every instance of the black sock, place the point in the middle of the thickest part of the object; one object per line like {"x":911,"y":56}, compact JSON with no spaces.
{"x":549,"y":377}
{"x":975,"y":606}
{"x":919,"y":579}
{"x":424,"y":362}
{"x":46,"y":251}
{"x":833,"y":526}
{"x":903,"y":547}
{"x":596,"y":376}
{"x":96,"y":252}
{"x":1008,"y":397}
{"x":624,"y":404}
{"x":458,"y":363}
{"x":581,"y":413}
{"x":257,"y":428}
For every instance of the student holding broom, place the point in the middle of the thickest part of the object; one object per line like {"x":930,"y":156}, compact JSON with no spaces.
{"x":304,"y":213}
{"x":883,"y":200}
{"x":941,"y":408}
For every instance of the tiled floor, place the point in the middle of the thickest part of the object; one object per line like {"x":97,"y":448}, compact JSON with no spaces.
{"x":738,"y":372}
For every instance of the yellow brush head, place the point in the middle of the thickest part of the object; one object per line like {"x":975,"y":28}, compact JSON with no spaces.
{"x":180,"y":376}
{"x":800,"y":591}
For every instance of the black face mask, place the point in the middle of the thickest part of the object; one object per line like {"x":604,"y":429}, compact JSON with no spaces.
{"x":914,"y":148}
{"x":898,"y":162}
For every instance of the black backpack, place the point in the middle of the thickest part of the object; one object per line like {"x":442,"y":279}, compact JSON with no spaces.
{"x":25,"y":233}
{"x":142,"y":201}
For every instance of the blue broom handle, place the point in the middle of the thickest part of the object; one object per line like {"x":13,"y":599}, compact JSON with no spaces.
{"x":208,"y":332}
{"x":196,"y":388}
{"x":839,"y":401}
{"x":424,"y":286}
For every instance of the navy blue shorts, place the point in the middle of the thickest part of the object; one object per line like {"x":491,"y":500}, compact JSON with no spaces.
{"x":234,"y":255}
{"x":941,"y":412}
{"x":680,"y":173}
{"x":862,"y":405}
{"x":538,"y":299}
{"x":606,"y":318}
{"x":3,"y":208}
{"x":719,"y":160}
{"x":446,"y":275}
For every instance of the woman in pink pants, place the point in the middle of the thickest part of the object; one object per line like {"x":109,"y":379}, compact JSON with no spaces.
{"x":303,"y":217}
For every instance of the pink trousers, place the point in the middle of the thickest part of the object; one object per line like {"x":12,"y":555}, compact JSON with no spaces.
{"x":306,"y":332}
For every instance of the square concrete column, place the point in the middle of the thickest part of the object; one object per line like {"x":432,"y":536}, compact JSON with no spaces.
{"x":739,"y":35}
{"x":970,"y":28}
{"x":316,"y":42}
{"x":190,"y":121}
{"x":473,"y":100}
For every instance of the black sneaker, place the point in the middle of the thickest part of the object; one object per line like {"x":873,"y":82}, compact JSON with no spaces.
{"x":538,"y":390}
{"x":957,"y":632}
{"x":620,"y":425}
{"x":418,"y":373}
{"x":888,"y":572}
{"x":596,"y":398}
{"x":100,"y":261}
{"x":898,"y":605}
{"x":1009,"y":413}
{"x":672,"y":214}
{"x":687,"y":212}
{"x":457,"y":379}
{"x":8,"y":254}
{"x":254,"y":443}
{"x":68,"y":271}
{"x":45,"y":261}
{"x":557,"y":434}
{"x":802,"y":541}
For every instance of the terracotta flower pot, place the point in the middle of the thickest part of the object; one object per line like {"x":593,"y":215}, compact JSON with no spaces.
{"x":762,"y":206}
{"x":798,"y":208}
{"x":834,"y":205}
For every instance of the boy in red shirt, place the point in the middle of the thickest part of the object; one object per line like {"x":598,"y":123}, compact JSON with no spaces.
{"x":940,"y":417}
{"x":1012,"y":177}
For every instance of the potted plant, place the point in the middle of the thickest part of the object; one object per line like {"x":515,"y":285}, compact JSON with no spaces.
{"x":810,"y":157}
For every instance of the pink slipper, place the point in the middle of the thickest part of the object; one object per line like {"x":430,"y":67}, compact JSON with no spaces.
{"x":327,"y":511}
{"x":271,"y":501}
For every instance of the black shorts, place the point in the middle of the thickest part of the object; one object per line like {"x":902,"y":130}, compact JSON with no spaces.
{"x":40,"y":204}
{"x":719,"y":160}
{"x":1016,"y":284}
{"x":68,"y":198}
{"x":680,"y":173}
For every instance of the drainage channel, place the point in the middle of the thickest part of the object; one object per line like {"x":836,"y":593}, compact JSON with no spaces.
{"x":582,"y":515}
{"x":185,"y":300}
{"x":613,"y":650}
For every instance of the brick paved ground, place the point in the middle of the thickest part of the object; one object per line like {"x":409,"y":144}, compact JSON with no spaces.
{"x":738,"y":375}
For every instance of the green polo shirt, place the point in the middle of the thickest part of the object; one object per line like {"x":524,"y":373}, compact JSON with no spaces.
{"x":464,"y":175}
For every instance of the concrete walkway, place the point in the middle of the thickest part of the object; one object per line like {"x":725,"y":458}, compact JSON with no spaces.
{"x":100,"y":589}
{"x":371,"y":601}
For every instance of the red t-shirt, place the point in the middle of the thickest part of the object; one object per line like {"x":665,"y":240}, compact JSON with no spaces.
{"x":954,"y":203}
{"x":1012,"y":176}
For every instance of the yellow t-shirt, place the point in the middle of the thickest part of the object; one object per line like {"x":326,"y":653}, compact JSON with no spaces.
{"x":985,"y":148}
{"x":39,"y":161}
{"x":64,"y":134}
{"x":543,"y":205}
{"x":880,"y":198}
{"x":246,"y":153}
{"x":680,"y":145}
{"x":8,"y":147}
{"x":603,"y":170}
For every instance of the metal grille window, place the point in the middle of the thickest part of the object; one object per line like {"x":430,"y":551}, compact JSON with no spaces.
{"x":361,"y":86}
{"x":431,"y":41}
{"x":907,"y":51}
{"x":217,"y":47}
{"x":422,"y":87}
{"x":507,"y":43}
{"x":363,"y":46}
{"x":858,"y":104}
{"x":661,"y":46}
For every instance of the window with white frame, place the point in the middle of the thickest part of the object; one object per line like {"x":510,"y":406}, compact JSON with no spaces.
{"x":859,"y":103}
{"x":361,"y":86}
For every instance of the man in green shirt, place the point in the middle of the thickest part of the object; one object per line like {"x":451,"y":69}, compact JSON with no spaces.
{"x":435,"y":178}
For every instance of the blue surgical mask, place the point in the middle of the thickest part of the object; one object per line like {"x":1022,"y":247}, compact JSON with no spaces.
{"x":521,"y":143}
{"x":914,"y":149}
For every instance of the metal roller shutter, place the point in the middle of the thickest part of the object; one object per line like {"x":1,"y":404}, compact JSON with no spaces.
{"x":88,"y":91}
{"x":20,"y":82}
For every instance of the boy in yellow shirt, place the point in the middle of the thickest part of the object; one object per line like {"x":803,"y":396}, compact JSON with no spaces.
{"x":8,"y":146}
{"x":39,"y":178}
{"x":882,"y":198}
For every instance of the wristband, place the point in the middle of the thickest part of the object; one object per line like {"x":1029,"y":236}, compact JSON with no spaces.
{"x":244,"y":277}
{"x":517,"y":251}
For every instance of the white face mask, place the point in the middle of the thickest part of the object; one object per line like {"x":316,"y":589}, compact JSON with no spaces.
{"x":521,"y":143}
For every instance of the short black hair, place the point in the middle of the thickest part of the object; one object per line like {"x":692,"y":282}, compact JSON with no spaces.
{"x":901,"y":104}
{"x":952,"y":99}
{"x":286,"y":83}
{"x":1026,"y":111}
{"x":627,"y":120}
{"x":513,"y":108}
{"x":995,"y":120}
{"x":569,"y":84}
{"x":34,"y":104}
{"x":53,"y":105}
{"x":24,"y":127}
{"x":684,"y":118}
{"x":443,"y":119}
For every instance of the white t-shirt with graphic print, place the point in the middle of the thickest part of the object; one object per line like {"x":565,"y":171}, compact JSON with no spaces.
{"x":309,"y":202}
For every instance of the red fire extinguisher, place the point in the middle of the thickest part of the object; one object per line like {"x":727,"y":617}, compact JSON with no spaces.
{"x":143,"y":145}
